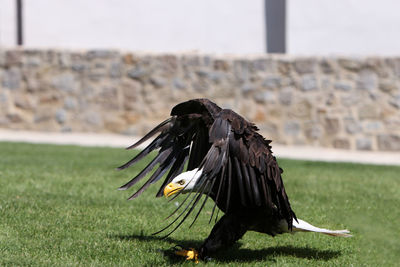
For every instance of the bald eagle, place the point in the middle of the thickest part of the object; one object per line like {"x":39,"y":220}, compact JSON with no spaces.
{"x":227,"y":161}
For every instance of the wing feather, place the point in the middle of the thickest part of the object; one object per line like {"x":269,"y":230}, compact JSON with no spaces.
{"x":254,"y":186}
{"x":160,"y":157}
{"x":153,"y":145}
{"x":156,"y":175}
{"x":246,"y":177}
{"x":159,"y":128}
{"x":240,"y":181}
{"x":229,"y":187}
{"x":175,"y":170}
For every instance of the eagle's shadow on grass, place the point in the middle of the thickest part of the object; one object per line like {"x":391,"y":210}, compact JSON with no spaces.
{"x":237,"y":254}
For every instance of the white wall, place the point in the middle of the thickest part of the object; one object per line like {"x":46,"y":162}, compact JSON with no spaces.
{"x":344,"y":27}
{"x":233,"y":26}
{"x":223,"y":26}
{"x":7,"y":23}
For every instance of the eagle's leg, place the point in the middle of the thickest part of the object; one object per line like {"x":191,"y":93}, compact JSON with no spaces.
{"x":226,"y":232}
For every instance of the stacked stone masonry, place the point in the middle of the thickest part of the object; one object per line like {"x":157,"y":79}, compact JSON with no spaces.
{"x":340,"y":102}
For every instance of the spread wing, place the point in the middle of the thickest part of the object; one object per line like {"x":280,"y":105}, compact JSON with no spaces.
{"x":238,"y":168}
{"x":213,"y":165}
{"x":238,"y":172}
{"x":176,"y":135}
{"x":255,"y":176}
{"x":181,"y":138}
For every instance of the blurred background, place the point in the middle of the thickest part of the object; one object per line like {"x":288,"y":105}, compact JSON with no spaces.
{"x":312,"y":72}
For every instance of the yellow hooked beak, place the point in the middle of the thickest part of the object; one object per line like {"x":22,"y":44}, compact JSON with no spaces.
{"x":172,"y":189}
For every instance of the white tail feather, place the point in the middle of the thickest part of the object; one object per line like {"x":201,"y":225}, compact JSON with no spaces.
{"x":302,"y":226}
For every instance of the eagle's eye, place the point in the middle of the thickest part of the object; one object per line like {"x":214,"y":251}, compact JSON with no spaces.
{"x":181,"y":182}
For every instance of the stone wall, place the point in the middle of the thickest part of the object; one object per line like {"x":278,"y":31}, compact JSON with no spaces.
{"x":341,"y":102}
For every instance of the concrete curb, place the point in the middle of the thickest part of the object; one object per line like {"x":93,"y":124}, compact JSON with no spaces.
{"x":115,"y":140}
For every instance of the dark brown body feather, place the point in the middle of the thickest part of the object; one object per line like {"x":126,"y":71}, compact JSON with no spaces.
{"x":239,"y":171}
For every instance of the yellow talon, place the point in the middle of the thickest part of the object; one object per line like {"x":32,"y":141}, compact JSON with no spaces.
{"x":190,"y":254}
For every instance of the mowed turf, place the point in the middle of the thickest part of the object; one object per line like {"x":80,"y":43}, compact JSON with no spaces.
{"x":59,"y":207}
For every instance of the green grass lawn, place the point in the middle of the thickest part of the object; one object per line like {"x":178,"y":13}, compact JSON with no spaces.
{"x":59,"y":206}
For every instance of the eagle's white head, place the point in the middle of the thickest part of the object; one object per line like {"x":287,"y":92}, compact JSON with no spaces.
{"x":184,"y":182}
